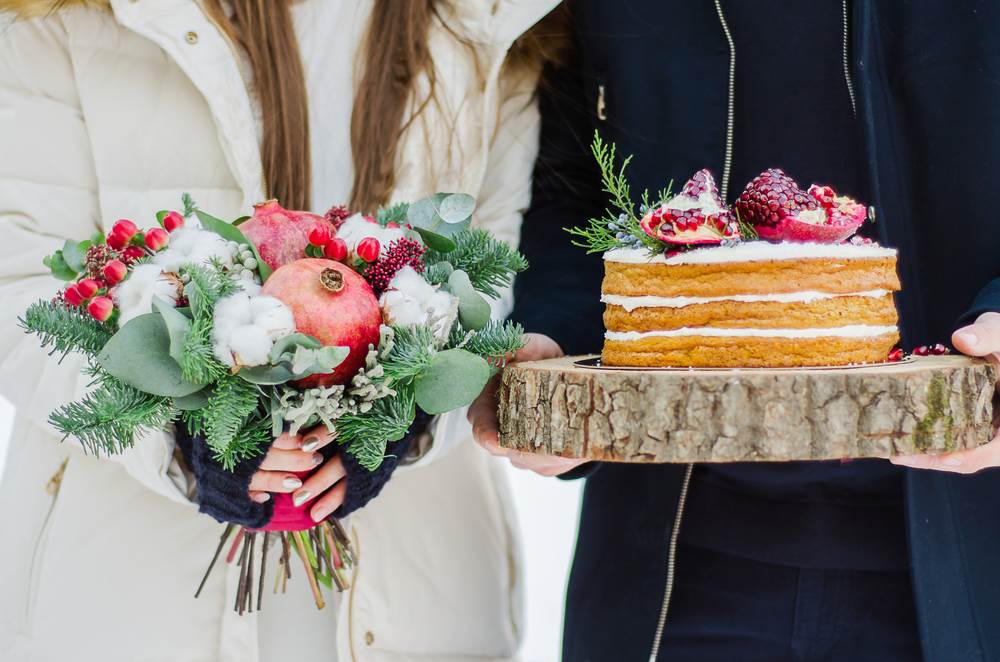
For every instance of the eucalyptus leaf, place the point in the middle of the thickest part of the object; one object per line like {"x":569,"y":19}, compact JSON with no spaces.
{"x":177,"y":326}
{"x":230,"y":232}
{"x":75,"y":254}
{"x":457,"y":208}
{"x":454,"y":379}
{"x":193,"y":402}
{"x":267,"y":375}
{"x":139,"y":355}
{"x":473,"y":310}
{"x":57,"y":265}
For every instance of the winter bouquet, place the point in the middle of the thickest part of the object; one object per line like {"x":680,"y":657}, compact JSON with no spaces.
{"x":237,"y":332}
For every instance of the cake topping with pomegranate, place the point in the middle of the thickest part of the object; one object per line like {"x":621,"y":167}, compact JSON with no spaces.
{"x":696,"y":216}
{"x":780,"y":210}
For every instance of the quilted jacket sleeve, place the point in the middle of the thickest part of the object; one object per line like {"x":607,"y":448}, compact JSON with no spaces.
{"x":48,"y":193}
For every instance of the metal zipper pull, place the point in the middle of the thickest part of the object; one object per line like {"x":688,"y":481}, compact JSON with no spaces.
{"x":601,"y":105}
{"x":847,"y":59}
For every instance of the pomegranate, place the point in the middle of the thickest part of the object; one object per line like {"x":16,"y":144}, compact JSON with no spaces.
{"x":280,"y":235}
{"x":775,"y":205}
{"x":332,"y":303}
{"x":694,"y":217}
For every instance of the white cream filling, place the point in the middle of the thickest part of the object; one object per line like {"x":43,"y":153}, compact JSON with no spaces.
{"x":751,"y":251}
{"x":631,"y":303}
{"x":851,"y":331}
{"x":705,"y":202}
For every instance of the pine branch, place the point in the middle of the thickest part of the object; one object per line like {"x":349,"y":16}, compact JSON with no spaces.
{"x":367,"y":435}
{"x":496,"y":342}
{"x":65,"y":329}
{"x":394,"y":214}
{"x":190,"y":206}
{"x":111,"y":416}
{"x":206,"y":286}
{"x":228,"y":411}
{"x":490,"y":263}
{"x":411,"y":354}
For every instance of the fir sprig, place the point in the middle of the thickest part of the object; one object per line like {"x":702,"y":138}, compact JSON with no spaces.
{"x":411,"y":354}
{"x":496,"y":342}
{"x":394,"y":214}
{"x":65,"y":329}
{"x":490,"y":263}
{"x":367,"y":435}
{"x":206,"y":286}
{"x":110,"y":417}
{"x":228,"y":412}
{"x":250,"y":441}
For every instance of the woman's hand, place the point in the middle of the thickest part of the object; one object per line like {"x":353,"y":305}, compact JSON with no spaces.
{"x":979,"y":339}
{"x":483,"y":415}
{"x":298,"y":453}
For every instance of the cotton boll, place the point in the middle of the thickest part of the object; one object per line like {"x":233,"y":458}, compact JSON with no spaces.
{"x":191,"y":246}
{"x":245,"y":327}
{"x":134,"y":296}
{"x":250,"y":345}
{"x":412,"y":301}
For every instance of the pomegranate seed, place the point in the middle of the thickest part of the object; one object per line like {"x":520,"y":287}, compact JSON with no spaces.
{"x":923,"y":350}
{"x":895,"y":355}
{"x":939,"y":349}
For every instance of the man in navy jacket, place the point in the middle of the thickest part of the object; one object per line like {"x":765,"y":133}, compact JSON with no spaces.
{"x":894,"y":102}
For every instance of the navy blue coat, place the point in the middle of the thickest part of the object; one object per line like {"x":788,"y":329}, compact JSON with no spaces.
{"x":927,"y":81}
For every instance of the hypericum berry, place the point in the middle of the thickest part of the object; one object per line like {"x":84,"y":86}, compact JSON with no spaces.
{"x":319,"y":235}
{"x":156,"y":239}
{"x":88,"y":287}
{"x":172,"y":221}
{"x":72,"y":296}
{"x":114,"y":272}
{"x":132,"y":253}
{"x":923,"y":350}
{"x":939,"y":349}
{"x":335,"y":249}
{"x":895,"y":355}
{"x":118,"y":240}
{"x":368,"y":249}
{"x":100,"y":308}
{"x":125,"y":228}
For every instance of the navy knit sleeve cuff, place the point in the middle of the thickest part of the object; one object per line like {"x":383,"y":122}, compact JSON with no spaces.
{"x":987,"y":301}
{"x":222,"y":494}
{"x":364,"y":485}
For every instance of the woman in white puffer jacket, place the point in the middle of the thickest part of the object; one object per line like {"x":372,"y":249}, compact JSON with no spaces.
{"x":113,"y":109}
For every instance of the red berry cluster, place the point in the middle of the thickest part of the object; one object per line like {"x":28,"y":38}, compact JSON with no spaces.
{"x":404,"y":252}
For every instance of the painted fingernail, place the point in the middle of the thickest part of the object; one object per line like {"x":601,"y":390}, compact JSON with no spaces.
{"x":967,"y":337}
{"x":310,"y":444}
{"x":263,"y":497}
{"x":317,"y":458}
{"x":319,"y":514}
{"x":301,"y":497}
{"x":292,"y":483}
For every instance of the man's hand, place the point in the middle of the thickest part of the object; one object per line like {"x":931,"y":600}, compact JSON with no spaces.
{"x":979,"y":339}
{"x":483,"y":415}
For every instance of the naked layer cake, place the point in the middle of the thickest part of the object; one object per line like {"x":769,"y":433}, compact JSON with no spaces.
{"x":755,"y":304}
{"x":780,"y":280}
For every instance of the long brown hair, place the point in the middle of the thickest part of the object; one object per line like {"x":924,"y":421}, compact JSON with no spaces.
{"x":265,"y":32}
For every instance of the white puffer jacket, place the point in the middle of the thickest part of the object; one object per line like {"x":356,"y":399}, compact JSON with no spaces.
{"x":113,"y":109}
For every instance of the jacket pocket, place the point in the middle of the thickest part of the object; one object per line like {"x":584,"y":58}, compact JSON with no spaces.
{"x":38,"y":552}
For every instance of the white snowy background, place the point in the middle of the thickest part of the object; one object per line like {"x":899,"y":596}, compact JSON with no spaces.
{"x":547,"y":510}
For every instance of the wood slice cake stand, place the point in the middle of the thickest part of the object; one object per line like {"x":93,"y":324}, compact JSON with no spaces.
{"x":924,"y":404}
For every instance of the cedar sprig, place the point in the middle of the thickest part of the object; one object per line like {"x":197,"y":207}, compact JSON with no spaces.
{"x":747,"y":231}
{"x":110,"y":417}
{"x":367,"y":435}
{"x":489,"y":262}
{"x":496,"y":342}
{"x":65,"y":329}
